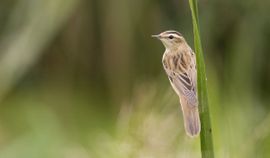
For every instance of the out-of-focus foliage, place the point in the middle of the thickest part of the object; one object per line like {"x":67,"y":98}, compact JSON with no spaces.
{"x":83,"y":78}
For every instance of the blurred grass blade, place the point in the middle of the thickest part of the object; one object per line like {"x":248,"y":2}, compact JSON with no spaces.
{"x":21,"y":48}
{"x":207,"y":149}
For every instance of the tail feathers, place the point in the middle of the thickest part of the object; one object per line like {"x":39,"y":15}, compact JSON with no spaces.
{"x":191,"y":118}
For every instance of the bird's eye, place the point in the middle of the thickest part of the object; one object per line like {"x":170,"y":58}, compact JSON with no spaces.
{"x":171,"y":37}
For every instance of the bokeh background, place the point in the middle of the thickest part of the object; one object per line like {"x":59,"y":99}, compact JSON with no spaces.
{"x":84,"y":79}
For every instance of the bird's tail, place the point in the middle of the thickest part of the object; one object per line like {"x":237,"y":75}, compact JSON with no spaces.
{"x":191,"y":118}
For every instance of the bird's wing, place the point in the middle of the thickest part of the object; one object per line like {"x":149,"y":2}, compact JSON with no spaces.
{"x":182,"y":83}
{"x":185,"y":82}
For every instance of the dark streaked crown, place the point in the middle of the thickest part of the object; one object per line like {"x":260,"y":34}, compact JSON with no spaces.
{"x":172,"y":32}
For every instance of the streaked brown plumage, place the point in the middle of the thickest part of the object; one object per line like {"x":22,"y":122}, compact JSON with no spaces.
{"x":179,"y":62}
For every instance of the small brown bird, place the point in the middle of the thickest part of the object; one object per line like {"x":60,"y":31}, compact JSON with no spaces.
{"x":179,"y":62}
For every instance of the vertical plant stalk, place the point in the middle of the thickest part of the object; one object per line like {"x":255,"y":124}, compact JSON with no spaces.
{"x":207,"y":149}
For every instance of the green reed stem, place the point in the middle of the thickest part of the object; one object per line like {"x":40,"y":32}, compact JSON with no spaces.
{"x":207,"y":149}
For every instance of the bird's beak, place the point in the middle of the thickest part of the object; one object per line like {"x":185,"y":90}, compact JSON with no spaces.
{"x":156,"y":36}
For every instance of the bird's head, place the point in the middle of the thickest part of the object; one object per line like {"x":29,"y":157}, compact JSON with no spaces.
{"x":170,"y":39}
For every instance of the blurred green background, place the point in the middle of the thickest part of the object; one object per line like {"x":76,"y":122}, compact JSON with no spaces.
{"x":84,"y":79}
